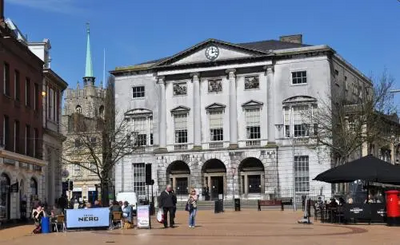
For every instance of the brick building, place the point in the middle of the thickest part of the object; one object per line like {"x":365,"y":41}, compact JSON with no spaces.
{"x":21,"y":124}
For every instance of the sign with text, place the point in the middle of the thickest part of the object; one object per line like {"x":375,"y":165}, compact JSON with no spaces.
{"x":143,"y":216}
{"x":88,"y":218}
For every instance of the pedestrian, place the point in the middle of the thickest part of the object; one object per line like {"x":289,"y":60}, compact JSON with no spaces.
{"x":167,"y":205}
{"x":174,"y":201}
{"x":192,"y":208}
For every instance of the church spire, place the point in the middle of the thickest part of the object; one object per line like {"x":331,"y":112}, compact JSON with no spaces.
{"x":88,"y":78}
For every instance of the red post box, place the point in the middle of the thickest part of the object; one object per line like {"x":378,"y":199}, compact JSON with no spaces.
{"x":392,"y":208}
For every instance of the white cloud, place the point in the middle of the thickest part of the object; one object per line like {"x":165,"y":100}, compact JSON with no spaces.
{"x":59,"y":6}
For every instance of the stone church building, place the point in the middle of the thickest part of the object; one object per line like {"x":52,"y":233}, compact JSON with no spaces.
{"x":83,"y":102}
{"x":228,"y":118}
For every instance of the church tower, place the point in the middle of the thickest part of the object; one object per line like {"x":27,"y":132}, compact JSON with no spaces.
{"x":89,"y":102}
{"x":89,"y":99}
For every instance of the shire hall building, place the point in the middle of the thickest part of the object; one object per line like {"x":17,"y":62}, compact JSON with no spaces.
{"x":228,"y":118}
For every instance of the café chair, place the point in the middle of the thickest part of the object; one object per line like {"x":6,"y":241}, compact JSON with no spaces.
{"x":60,"y":221}
{"x":116,"y":219}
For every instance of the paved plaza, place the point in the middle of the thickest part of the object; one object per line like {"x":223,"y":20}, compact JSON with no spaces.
{"x":245,"y":227}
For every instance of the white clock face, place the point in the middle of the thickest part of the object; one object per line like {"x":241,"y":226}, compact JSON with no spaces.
{"x":212,"y":52}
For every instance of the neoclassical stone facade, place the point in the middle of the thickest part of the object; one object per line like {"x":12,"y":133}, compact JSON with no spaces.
{"x":227,"y":120}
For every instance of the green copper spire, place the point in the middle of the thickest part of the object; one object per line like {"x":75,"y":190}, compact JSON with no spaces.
{"x":89,"y":65}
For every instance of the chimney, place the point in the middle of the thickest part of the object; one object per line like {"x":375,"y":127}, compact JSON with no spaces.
{"x":298,"y":38}
{"x":1,"y":11}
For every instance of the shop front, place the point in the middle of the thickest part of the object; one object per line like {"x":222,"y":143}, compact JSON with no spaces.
{"x":21,"y":184}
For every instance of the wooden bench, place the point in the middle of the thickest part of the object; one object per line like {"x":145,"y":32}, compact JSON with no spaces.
{"x":270,"y":203}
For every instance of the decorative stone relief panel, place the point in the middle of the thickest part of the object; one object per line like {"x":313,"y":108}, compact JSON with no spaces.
{"x":215,"y":86}
{"x":180,"y":88}
{"x":252,"y":82}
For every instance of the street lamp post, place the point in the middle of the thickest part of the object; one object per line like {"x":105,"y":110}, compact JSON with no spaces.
{"x":294,"y":173}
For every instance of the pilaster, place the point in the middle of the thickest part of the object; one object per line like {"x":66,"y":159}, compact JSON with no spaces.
{"x":196,"y":112}
{"x":163,"y":117}
{"x":232,"y":109}
{"x":270,"y":104}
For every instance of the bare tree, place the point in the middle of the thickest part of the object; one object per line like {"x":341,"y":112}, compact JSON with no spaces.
{"x":99,"y":143}
{"x":350,"y":119}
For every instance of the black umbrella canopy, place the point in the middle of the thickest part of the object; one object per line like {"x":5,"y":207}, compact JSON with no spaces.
{"x":367,"y":168}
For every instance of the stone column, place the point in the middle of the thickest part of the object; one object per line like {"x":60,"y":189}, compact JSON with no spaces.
{"x":232,"y":109}
{"x":162,"y":137}
{"x":196,"y":112}
{"x":270,"y":105}
{"x":246,"y":185}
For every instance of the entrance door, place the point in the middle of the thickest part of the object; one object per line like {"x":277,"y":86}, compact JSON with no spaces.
{"x":4,"y":197}
{"x":217,"y":187}
{"x":182,"y":186}
{"x":254,"y":183}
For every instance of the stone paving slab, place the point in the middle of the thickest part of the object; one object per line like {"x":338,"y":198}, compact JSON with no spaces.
{"x":245,"y":227}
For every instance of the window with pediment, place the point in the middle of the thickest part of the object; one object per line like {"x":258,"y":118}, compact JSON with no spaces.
{"x":252,"y":111}
{"x":180,"y":115}
{"x":216,"y":121}
{"x":215,"y":86}
{"x":297,"y":115}
{"x":141,"y":126}
{"x":180,"y":88}
{"x":180,"y":124}
{"x":251,"y":82}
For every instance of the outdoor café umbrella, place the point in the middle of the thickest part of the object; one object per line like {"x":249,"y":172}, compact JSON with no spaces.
{"x":368,"y":168}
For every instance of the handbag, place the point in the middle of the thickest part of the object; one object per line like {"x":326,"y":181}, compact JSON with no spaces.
{"x":160,"y":216}
{"x":187,"y":207}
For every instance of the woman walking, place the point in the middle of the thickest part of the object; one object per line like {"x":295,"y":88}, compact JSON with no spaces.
{"x":192,"y":208}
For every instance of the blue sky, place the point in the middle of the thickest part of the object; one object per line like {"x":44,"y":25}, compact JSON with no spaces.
{"x":366,"y":33}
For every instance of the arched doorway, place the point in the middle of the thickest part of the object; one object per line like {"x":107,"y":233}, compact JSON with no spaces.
{"x":214,"y":177}
{"x":34,"y":187}
{"x":4,"y":197}
{"x":178,"y":173}
{"x":251,"y":172}
{"x":22,"y":200}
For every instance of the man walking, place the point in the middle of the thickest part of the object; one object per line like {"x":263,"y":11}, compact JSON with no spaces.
{"x":167,"y":204}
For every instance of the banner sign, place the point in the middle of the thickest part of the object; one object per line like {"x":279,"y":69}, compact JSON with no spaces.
{"x":88,"y":218}
{"x":143,"y":216}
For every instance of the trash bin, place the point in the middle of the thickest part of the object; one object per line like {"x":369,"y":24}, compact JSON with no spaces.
{"x":392,"y":208}
{"x":45,"y":225}
{"x":218,"y":206}
{"x":237,"y":204}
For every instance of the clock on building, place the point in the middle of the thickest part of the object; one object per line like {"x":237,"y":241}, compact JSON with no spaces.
{"x":212,"y":52}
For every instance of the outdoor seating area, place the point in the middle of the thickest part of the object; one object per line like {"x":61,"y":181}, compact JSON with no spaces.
{"x":376,"y":203}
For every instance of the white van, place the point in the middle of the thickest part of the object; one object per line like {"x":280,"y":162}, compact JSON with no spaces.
{"x":130,"y":197}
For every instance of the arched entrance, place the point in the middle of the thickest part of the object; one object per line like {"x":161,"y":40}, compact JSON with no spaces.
{"x":178,"y":173}
{"x":251,"y":172}
{"x":22,"y":200}
{"x":4,"y":197}
{"x":214,"y":177}
{"x":34,"y":187}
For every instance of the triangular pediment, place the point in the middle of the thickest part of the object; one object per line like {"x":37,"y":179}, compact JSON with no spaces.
{"x":252,"y":103}
{"x":180,"y":109}
{"x":215,"y":106}
{"x":210,"y":51}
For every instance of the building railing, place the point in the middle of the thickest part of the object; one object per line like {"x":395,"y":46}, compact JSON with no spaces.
{"x":253,"y":142}
{"x":216,"y":145}
{"x":180,"y":147}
